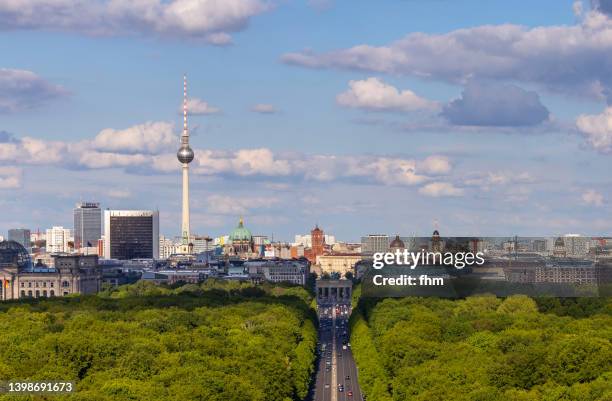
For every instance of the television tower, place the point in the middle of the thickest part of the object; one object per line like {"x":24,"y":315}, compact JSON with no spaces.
{"x":185,"y":156}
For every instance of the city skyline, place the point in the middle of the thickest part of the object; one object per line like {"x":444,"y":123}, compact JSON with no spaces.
{"x":361,"y":128}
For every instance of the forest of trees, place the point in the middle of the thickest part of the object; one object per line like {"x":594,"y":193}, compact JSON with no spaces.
{"x":211,"y":342}
{"x":484,"y":348}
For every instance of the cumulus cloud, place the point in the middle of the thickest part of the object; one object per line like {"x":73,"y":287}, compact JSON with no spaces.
{"x":495,"y":105}
{"x":264,"y":108}
{"x":150,"y":138}
{"x":150,"y":148}
{"x":592,"y":197}
{"x":24,"y":90}
{"x":197,"y":107}
{"x":373,"y":94}
{"x":572,"y":59}
{"x":208,"y":20}
{"x":10,"y":177}
{"x":597,"y":129}
{"x":440,"y":189}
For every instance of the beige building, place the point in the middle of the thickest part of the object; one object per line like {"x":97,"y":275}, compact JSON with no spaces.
{"x":72,"y":274}
{"x":338,"y":262}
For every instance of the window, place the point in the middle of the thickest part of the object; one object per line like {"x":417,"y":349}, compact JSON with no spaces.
{"x":37,"y":294}
{"x":23,"y":293}
{"x":52,"y":292}
{"x":45,"y":293}
{"x":30,"y":286}
{"x":51,"y":284}
{"x":65,"y":284}
{"x":30,"y":293}
{"x":22,"y":285}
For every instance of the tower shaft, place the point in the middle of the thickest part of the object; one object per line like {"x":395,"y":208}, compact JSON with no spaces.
{"x":185,"y":224}
{"x":185,"y":156}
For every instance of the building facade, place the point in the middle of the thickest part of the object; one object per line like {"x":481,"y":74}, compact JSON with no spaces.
{"x":87,"y":224}
{"x":338,"y":263}
{"x":374,"y":243}
{"x":58,"y":240}
{"x":131,"y":234}
{"x":72,"y":274}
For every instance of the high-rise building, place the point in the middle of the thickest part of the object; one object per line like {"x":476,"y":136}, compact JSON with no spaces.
{"x":87,"y":224}
{"x":22,"y":236}
{"x":58,"y":239}
{"x":185,"y":156}
{"x":131,"y":234}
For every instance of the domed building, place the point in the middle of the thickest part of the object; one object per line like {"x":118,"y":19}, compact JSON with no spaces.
{"x":397,"y":244}
{"x":14,"y":255}
{"x":559,"y":250}
{"x":72,"y":274}
{"x":436,"y":243}
{"x":241,"y":241}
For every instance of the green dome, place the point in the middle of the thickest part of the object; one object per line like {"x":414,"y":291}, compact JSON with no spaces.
{"x":240,"y":233}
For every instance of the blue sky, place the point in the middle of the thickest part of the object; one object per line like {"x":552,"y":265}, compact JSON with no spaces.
{"x":480,"y":118}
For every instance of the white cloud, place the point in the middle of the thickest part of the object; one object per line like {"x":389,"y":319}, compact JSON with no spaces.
{"x":597,"y":129}
{"x":435,"y":165}
{"x":264,"y":108}
{"x":23,"y":90}
{"x":150,"y":138}
{"x":10,"y":177}
{"x":573,"y":59}
{"x":592,"y":197}
{"x":197,"y":106}
{"x":373,"y":94}
{"x":440,"y":189}
{"x":209,"y":20}
{"x":151,"y":147}
{"x":95,"y":160}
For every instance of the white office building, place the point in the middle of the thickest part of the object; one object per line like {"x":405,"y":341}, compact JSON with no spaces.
{"x":58,"y":239}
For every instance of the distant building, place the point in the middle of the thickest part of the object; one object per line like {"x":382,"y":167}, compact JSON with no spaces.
{"x":22,"y":236}
{"x":131,"y":234}
{"x":72,"y":274}
{"x":58,"y":239}
{"x":87,"y":224}
{"x":318,"y":245}
{"x":397,"y":245}
{"x":240,"y":243}
{"x":568,"y":271}
{"x":338,"y":263}
{"x":278,"y":271}
{"x":374,"y":243}
{"x":202,"y":244}
{"x":576,"y":245}
{"x":306,"y":240}
{"x":167,"y":247}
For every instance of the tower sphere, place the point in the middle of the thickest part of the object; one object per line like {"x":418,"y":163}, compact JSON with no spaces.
{"x":185,"y":154}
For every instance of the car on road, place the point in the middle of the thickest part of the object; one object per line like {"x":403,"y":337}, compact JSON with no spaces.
{"x":326,"y":385}
{"x":350,"y":393}
{"x":348,"y":377}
